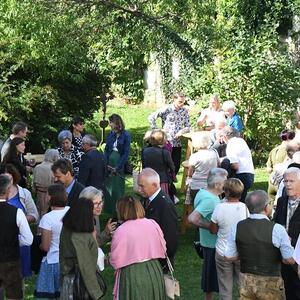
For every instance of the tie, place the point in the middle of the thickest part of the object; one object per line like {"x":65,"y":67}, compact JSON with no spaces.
{"x":292,"y":206}
{"x":146,"y":202}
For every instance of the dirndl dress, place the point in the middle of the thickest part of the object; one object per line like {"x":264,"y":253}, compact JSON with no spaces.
{"x":115,"y":185}
{"x":48,"y":281}
{"x":142,"y":281}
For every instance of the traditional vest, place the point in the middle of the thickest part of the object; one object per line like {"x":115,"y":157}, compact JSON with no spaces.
{"x":257,"y":253}
{"x":9,"y":233}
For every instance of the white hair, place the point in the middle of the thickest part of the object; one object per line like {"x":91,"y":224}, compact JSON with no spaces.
{"x":89,"y":140}
{"x":201,"y":141}
{"x":212,"y":180}
{"x":228,"y":105}
{"x":151,"y":175}
{"x":218,"y":172}
{"x":64,"y":135}
{"x":292,"y":170}
{"x":51,"y":155}
{"x":91,"y":193}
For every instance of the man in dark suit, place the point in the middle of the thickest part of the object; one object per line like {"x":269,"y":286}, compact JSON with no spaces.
{"x":63,"y":172}
{"x":160,"y":208}
{"x":92,"y":168}
{"x":288,"y":214}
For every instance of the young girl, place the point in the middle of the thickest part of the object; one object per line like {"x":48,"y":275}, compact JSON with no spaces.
{"x":48,"y":281}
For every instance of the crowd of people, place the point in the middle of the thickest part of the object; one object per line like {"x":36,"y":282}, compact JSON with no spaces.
{"x":250,"y":238}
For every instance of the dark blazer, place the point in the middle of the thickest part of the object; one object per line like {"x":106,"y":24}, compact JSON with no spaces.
{"x":160,"y":160}
{"x":123,"y":146}
{"x":74,"y":193}
{"x":92,"y":169}
{"x":281,"y":215}
{"x":162,"y":210}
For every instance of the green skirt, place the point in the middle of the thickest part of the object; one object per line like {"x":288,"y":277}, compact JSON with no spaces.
{"x":142,"y":281}
{"x":115,"y":186}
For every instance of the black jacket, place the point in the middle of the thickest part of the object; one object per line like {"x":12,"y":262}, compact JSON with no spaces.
{"x":160,"y":160}
{"x":92,"y":169}
{"x":162,"y":210}
{"x":74,"y":193}
{"x":281,"y":215}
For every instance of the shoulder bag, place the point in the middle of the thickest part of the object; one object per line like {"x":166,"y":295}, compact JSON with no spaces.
{"x":79,"y":289}
{"x":171,"y":284}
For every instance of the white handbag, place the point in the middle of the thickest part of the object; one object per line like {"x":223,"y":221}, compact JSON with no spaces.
{"x":171,"y":284}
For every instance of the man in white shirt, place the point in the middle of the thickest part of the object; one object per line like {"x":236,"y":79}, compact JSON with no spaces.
{"x":240,"y":157}
{"x":14,"y":232}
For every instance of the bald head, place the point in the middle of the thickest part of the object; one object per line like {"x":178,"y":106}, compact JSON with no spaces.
{"x":148,"y":182}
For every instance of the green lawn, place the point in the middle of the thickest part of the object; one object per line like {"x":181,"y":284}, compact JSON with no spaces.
{"x":188,"y":264}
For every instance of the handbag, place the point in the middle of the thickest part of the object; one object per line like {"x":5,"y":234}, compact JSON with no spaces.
{"x":171,"y":284}
{"x":128,"y":168}
{"x":199,"y":249}
{"x":79,"y":289}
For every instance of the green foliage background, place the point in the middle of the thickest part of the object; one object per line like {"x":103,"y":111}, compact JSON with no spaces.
{"x":58,"y":57}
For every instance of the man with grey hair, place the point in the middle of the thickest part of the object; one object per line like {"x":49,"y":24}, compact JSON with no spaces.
{"x":205,"y":202}
{"x":160,"y":208}
{"x":14,"y":232}
{"x":288,"y":215}
{"x":240,"y":158}
{"x":92,"y":168}
{"x":261,"y":245}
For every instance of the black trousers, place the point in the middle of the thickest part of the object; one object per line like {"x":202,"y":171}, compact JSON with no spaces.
{"x":176,"y":157}
{"x":291,"y":282}
{"x":247,"y":179}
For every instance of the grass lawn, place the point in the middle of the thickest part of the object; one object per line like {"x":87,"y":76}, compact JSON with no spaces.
{"x":187,"y":264}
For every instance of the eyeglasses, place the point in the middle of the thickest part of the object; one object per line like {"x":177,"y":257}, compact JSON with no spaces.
{"x":98,"y":204}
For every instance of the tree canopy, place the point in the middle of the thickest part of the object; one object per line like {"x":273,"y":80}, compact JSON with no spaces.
{"x":58,"y":57}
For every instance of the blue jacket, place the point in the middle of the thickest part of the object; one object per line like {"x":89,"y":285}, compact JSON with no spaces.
{"x":235,"y":122}
{"x":123,"y":146}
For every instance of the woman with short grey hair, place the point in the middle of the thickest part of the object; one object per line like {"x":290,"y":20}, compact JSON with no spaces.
{"x":43,"y":178}
{"x":69,"y":151}
{"x":205,"y":202}
{"x":96,"y":196}
{"x":200,"y":163}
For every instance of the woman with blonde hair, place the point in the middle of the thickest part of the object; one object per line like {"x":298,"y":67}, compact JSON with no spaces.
{"x":224,"y":216}
{"x":136,"y":246}
{"x":209,"y":115}
{"x":159,"y":159}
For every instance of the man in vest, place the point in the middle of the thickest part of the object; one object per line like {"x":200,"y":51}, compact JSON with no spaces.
{"x":14,"y":232}
{"x":288,"y":215}
{"x":261,"y":245}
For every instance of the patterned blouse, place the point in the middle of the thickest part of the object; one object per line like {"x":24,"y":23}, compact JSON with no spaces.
{"x":74,"y":156}
{"x":173,"y":122}
{"x":77,"y":141}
